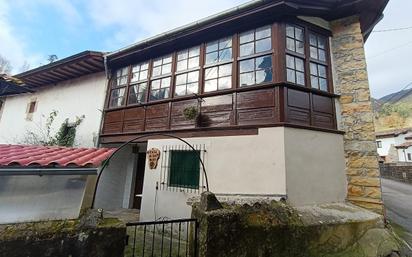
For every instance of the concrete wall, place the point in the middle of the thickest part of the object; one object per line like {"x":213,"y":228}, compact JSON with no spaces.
{"x":315,"y":167}
{"x":115,"y":187}
{"x":81,"y":96}
{"x":245,"y":165}
{"x":307,"y":166}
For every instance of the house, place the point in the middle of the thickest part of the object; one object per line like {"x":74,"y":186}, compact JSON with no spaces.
{"x":266,"y":94}
{"x":72,"y":88}
{"x":395,"y":145}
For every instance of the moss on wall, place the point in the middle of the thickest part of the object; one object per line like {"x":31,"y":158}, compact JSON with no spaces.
{"x":88,"y":236}
{"x":277,"y":230}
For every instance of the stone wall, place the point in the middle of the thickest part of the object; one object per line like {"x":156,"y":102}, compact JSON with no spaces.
{"x":351,"y":82}
{"x":276,"y":229}
{"x":87,"y":237}
{"x":397,"y":171}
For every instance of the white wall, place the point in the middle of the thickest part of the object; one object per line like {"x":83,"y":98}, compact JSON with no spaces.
{"x":81,"y":96}
{"x":315,"y":167}
{"x":307,"y":166}
{"x":386,"y":145}
{"x":115,"y":187}
{"x":237,"y":165}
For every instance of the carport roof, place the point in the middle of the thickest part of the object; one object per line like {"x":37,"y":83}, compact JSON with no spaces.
{"x":52,"y":156}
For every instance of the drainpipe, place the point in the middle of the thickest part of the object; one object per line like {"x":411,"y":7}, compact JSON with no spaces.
{"x":107,"y":76}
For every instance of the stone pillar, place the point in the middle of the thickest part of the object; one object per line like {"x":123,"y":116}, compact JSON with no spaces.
{"x":351,"y":82}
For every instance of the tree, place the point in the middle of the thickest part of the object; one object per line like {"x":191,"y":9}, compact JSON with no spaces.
{"x":5,"y":66}
{"x":52,"y":58}
{"x":25,"y":67}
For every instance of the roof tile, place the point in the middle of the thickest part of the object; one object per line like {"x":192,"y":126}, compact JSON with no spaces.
{"x":23,"y":155}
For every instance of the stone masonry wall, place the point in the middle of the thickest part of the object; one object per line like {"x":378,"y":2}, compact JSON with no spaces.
{"x":351,"y":82}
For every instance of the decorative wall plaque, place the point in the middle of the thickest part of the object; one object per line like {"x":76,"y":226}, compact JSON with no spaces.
{"x":153,"y":155}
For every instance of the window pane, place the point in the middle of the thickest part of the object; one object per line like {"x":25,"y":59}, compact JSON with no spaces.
{"x":300,"y":78}
{"x":117,"y":97}
{"x":322,"y":55}
{"x":181,"y":65}
{"x":312,"y":40}
{"x":193,"y":76}
{"x":246,"y":37}
{"x":193,"y":62}
{"x":290,"y":62}
{"x":211,"y":57}
{"x":193,"y":88}
{"x":290,"y":44}
{"x":299,"y":34}
{"x":247,"y":49}
{"x":211,"y":73}
{"x":321,"y":43}
{"x":144,"y":66}
{"x":323,"y":85}
{"x":290,"y":31}
{"x":212,"y":46}
{"x":157,"y":62}
{"x":314,"y":82}
{"x":194,"y":51}
{"x":263,"y":76}
{"x":167,"y":59}
{"x":299,"y":64}
{"x":143,"y":87}
{"x":143,"y":75}
{"x":300,"y":47}
{"x":225,"y":43}
{"x":164,"y":93}
{"x":313,"y":52}
{"x":225,"y":55}
{"x":156,"y":84}
{"x":180,"y":90}
{"x":247,"y":65}
{"x":167,"y":68}
{"x":210,"y":85}
{"x":181,"y":79}
{"x":156,"y":71}
{"x":264,"y":62}
{"x":263,"y":32}
{"x":263,"y":45}
{"x":322,"y":71}
{"x":247,"y":79}
{"x":182,"y":55}
{"x":225,"y":83}
{"x":313,"y":69}
{"x":225,"y":70}
{"x":291,"y":75}
{"x":165,"y":82}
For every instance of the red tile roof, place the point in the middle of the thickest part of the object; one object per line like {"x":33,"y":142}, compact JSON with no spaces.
{"x":46,"y":156}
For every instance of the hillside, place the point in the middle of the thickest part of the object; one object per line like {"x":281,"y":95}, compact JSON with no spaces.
{"x":393,"y":111}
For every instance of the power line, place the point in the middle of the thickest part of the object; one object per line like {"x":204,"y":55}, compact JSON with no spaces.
{"x":394,"y":29}
{"x":390,"y":50}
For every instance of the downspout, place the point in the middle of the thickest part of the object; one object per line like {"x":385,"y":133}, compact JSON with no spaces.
{"x":107,"y":76}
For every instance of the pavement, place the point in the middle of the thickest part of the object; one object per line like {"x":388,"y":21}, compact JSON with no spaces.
{"x":397,"y":197}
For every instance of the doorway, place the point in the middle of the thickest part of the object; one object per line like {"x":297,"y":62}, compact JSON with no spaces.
{"x":138,"y":187}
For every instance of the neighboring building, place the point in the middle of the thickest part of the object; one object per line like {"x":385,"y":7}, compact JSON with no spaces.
{"x":73,"y":87}
{"x":395,"y":145}
{"x":268,"y":93}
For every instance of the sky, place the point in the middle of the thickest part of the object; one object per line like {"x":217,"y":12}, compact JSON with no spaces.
{"x":32,"y":30}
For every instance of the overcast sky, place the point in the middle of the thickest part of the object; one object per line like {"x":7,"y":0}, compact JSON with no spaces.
{"x":32,"y":30}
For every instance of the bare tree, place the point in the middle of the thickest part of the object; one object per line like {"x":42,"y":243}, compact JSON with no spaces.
{"x":5,"y":66}
{"x":52,"y":58}
{"x":25,"y":67}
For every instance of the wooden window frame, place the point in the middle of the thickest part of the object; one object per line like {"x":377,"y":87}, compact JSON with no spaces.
{"x":278,"y":52}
